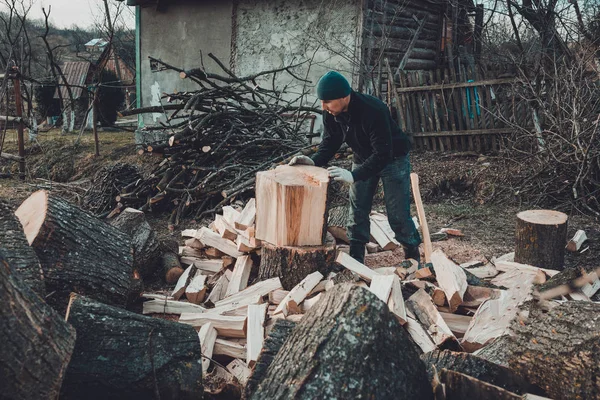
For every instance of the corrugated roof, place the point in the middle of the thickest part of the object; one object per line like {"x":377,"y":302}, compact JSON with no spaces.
{"x":76,"y":73}
{"x":97,"y":42}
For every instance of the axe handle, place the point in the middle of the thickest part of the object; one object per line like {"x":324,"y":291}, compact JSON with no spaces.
{"x":414,"y":181}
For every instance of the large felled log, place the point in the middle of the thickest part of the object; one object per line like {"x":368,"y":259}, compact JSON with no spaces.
{"x":36,"y":342}
{"x":122,"y":355}
{"x":336,"y":223}
{"x":291,"y":205}
{"x":292,"y":264}
{"x":147,"y":248}
{"x":78,"y":252}
{"x":557,"y":351}
{"x":478,"y":368}
{"x":17,"y":252}
{"x":458,"y":386}
{"x":540,"y":238}
{"x":329,"y":354}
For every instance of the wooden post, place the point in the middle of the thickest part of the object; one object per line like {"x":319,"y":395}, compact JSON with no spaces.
{"x":95,"y":121}
{"x":20,"y":139}
{"x":540,"y":238}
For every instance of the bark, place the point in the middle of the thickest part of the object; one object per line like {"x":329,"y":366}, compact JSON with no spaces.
{"x":15,"y":248}
{"x":36,"y":342}
{"x":292,"y":264}
{"x":460,"y":386}
{"x":347,"y":346}
{"x":78,"y":252}
{"x":122,"y":355}
{"x":147,"y":248}
{"x":558,"y":350}
{"x":278,"y":335}
{"x":539,"y":242}
{"x":171,"y":267}
{"x":478,"y":368}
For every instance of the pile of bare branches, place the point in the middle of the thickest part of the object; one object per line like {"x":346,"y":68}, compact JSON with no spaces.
{"x":106,"y":184}
{"x":219,"y":137}
{"x":557,"y":162}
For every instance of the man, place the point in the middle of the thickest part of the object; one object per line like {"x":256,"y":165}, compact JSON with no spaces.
{"x":380,"y":152}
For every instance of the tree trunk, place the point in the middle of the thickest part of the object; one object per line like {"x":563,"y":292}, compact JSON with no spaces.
{"x":292,"y":264}
{"x":13,"y":244}
{"x":78,"y":252}
{"x":541,"y":236}
{"x":278,"y":335}
{"x":459,"y":386}
{"x":558,"y":350}
{"x":147,"y":249}
{"x":349,"y":345}
{"x":337,"y":221}
{"x":478,"y":368}
{"x":36,"y":342}
{"x":122,"y":355}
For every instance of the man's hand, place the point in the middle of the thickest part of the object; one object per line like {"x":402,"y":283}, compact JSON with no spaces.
{"x":301,"y":160}
{"x":340,"y":174}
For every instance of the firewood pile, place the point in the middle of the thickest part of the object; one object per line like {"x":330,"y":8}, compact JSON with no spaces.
{"x":239,"y":321}
{"x":219,"y":137}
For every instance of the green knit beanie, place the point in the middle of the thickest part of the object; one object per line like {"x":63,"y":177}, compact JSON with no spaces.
{"x":333,"y":86}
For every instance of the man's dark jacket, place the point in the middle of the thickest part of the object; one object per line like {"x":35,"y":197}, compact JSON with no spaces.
{"x":369,"y":130}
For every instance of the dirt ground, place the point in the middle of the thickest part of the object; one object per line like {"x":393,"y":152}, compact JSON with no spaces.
{"x":455,"y":188}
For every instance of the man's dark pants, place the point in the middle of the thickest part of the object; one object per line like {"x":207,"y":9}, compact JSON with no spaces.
{"x":396,"y":188}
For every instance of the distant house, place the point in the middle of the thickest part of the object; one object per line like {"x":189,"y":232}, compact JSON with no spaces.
{"x":95,"y":45}
{"x":248,"y":36}
{"x":79,"y":75}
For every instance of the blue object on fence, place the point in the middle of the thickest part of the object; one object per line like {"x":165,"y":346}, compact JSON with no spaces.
{"x":476,"y":95}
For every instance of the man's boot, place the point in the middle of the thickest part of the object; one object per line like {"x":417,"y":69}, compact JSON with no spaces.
{"x":357,"y":251}
{"x":412,"y":252}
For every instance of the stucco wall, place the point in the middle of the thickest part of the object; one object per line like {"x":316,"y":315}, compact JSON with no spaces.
{"x":177,"y":37}
{"x":323,"y":35}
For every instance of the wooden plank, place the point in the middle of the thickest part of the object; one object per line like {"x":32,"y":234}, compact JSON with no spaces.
{"x":457,"y":85}
{"x":450,"y":277}
{"x":350,"y":263}
{"x":207,"y":336}
{"x":299,"y":292}
{"x":240,"y":276}
{"x":255,"y":332}
{"x":247,"y":216}
{"x":212,"y":239}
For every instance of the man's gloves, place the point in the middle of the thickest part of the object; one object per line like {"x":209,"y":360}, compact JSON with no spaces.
{"x":340,"y":174}
{"x":301,"y":160}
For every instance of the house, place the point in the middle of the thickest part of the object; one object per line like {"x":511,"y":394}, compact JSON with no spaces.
{"x":351,"y":36}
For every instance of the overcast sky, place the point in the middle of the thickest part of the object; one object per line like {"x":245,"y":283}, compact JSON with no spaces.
{"x":66,"y":13}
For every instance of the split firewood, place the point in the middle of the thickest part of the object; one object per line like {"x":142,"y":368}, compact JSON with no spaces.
{"x":194,"y":243}
{"x":105,"y":351}
{"x":578,"y":239}
{"x":243,"y":244}
{"x":452,"y":232}
{"x":224,"y":228}
{"x":351,"y":264}
{"x":207,"y":336}
{"x":196,"y":289}
{"x":418,"y":334}
{"x":480,"y":270}
{"x":291,"y":205}
{"x":212,"y":239}
{"x":569,"y":281}
{"x":247,"y":216}
{"x":299,"y":292}
{"x":171,"y":307}
{"x":219,"y":291}
{"x":382,"y":232}
{"x":309,"y":303}
{"x":77,"y":251}
{"x":230,"y":348}
{"x":185,"y":251}
{"x":557,"y":350}
{"x":422,"y":306}
{"x":213,"y":253}
{"x":240,"y":276}
{"x":239,"y":369}
{"x":249,"y":294}
{"x":336,"y":223}
{"x":276,"y":296}
{"x":372,"y":248}
{"x":17,"y":252}
{"x":182,"y":282}
{"x":226,"y":325}
{"x":293,"y":263}
{"x":451,"y":279}
{"x":457,"y":323}
{"x":189,"y":233}
{"x":37,"y":342}
{"x":255,"y":332}
{"x":396,"y":301}
{"x":314,"y":345}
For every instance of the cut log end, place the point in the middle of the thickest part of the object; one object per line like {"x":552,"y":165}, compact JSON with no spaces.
{"x":32,"y":214}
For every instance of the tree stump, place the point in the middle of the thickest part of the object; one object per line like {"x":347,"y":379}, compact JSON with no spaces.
{"x":78,"y":252}
{"x":541,"y":236}
{"x":557,"y":351}
{"x":15,"y":248}
{"x":292,"y":264}
{"x":36,"y":342}
{"x":349,"y":345}
{"x":122,"y":355}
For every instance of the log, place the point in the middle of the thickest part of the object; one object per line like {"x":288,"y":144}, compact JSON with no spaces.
{"x":36,"y":342}
{"x":459,"y":386}
{"x":272,"y":344}
{"x":329,"y":354}
{"x":147,"y":249}
{"x":557,"y":351}
{"x":540,"y":238}
{"x":336,"y":223}
{"x":16,"y":250}
{"x":478,"y":368}
{"x":292,"y":264}
{"x":122,"y":355}
{"x":291,"y":205}
{"x":77,"y":251}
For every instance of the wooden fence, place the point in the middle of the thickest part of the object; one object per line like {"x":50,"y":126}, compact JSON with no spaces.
{"x":442,"y":112}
